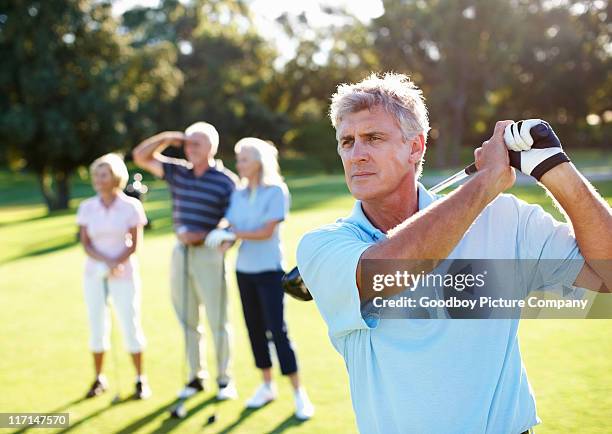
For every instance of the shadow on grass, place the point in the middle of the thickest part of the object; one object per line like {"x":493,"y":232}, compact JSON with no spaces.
{"x":51,"y":248}
{"x":169,"y":423}
{"x":54,"y":247}
{"x":244,"y":414}
{"x":289,"y":422}
{"x":46,"y":215}
{"x":68,"y":405}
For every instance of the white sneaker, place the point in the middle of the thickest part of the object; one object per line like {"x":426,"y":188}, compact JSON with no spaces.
{"x":227,"y":392}
{"x":304,"y":409}
{"x":264,"y":394}
{"x":194,"y":386}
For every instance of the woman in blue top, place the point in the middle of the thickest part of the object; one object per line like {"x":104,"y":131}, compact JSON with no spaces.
{"x":254,"y":214}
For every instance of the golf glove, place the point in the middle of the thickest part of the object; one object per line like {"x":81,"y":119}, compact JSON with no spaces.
{"x":536,"y":147}
{"x":218,"y":236}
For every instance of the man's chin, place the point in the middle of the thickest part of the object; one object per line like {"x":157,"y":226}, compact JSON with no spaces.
{"x":363,"y":193}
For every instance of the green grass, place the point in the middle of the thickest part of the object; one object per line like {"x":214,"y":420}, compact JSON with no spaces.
{"x":45,"y":365}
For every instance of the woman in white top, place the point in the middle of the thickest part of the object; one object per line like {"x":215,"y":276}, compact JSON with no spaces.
{"x":110,"y":228}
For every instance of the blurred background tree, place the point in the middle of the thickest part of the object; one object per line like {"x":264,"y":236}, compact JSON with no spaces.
{"x":78,"y":81}
{"x":69,"y":80}
{"x":226,"y":66}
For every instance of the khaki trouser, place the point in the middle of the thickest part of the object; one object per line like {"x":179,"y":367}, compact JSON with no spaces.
{"x":205,"y":285}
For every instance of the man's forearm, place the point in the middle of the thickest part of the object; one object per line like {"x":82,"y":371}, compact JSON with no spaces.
{"x":149,"y":147}
{"x":432,"y":234}
{"x":588,"y":213}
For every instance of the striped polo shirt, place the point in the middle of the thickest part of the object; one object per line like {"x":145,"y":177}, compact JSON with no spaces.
{"x":198,"y":202}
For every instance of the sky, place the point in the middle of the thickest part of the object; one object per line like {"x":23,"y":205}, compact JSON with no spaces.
{"x":266,"y":11}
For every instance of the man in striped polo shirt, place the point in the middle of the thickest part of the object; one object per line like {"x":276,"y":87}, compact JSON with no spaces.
{"x":200,"y":189}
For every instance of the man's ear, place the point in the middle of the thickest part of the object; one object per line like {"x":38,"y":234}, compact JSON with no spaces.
{"x":417,"y":148}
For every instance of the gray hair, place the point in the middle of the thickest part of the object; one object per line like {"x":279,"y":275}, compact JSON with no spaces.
{"x":208,"y":129}
{"x":267,"y":155}
{"x":117,"y":168}
{"x":395,"y":93}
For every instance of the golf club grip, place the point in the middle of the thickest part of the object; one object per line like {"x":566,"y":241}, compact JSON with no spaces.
{"x":515,"y":161}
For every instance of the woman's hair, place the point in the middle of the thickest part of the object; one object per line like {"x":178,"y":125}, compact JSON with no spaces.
{"x":116,"y":166}
{"x":267,"y":155}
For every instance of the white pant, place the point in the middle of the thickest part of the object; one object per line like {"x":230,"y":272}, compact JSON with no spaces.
{"x":125,"y":295}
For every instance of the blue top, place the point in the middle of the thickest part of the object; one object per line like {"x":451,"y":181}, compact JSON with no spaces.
{"x":435,"y":375}
{"x":198,"y":202}
{"x":249,"y":211}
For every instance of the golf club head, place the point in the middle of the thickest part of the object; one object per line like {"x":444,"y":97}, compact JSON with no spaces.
{"x":211,"y":419}
{"x":116,"y":399}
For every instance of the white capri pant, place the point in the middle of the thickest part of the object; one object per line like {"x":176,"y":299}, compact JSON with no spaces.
{"x":125,"y":296}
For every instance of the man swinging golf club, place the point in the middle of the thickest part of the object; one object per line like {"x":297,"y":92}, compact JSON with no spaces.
{"x":201,"y":189}
{"x":441,"y":376}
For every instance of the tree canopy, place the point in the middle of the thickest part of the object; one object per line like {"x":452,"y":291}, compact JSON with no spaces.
{"x":77,"y":81}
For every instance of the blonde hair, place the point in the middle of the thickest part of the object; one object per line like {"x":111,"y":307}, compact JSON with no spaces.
{"x":395,"y":93}
{"x":208,"y":129}
{"x":267,"y":155}
{"x":117,"y":167}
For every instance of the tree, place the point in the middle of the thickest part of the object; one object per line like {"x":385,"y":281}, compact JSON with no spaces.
{"x":68,"y":83}
{"x":325,"y":57}
{"x":562,"y":71}
{"x":226,"y":66}
{"x":457,"y":51}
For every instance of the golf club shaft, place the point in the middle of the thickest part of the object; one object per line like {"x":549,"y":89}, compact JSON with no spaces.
{"x":453,"y":179}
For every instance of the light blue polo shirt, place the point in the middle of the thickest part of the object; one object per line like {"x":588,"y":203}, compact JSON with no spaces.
{"x":435,"y":375}
{"x":251,"y":211}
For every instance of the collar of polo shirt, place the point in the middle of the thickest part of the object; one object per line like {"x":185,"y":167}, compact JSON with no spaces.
{"x":358,"y":218}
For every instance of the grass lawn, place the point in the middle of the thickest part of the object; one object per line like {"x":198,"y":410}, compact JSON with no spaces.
{"x":45,"y":365}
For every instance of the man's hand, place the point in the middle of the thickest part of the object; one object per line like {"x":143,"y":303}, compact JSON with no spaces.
{"x":172,"y":138}
{"x":536,"y":147}
{"x":492,"y":158}
{"x":147,"y":154}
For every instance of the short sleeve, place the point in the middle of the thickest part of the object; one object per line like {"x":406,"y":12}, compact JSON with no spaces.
{"x":169,"y":171}
{"x":327,"y":259}
{"x":277,"y":206}
{"x":138,"y":216}
{"x":171,"y":167}
{"x":82,"y":214}
{"x":553,"y":246}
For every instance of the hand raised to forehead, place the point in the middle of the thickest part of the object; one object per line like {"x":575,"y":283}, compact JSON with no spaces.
{"x":174,"y":138}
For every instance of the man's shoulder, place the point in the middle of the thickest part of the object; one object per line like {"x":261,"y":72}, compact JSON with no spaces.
{"x":171,"y":166}
{"x":227,"y":176}
{"x":507,"y":205}
{"x":176,"y":162}
{"x":328,"y":233}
